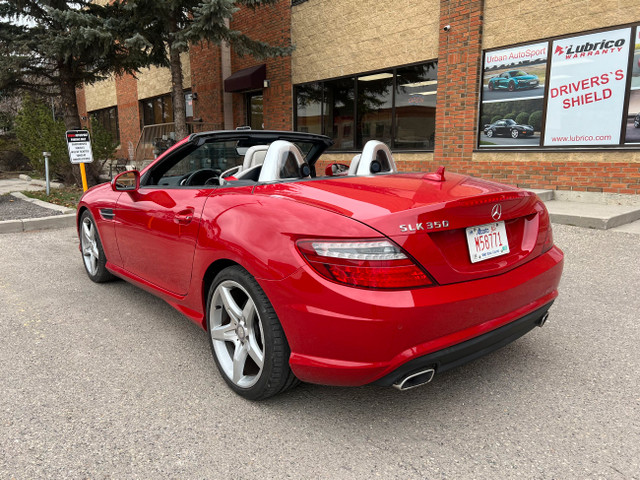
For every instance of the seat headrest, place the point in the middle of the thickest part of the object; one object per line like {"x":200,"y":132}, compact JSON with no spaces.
{"x":254,"y":156}
{"x":376,"y":158}
{"x":283,"y":160}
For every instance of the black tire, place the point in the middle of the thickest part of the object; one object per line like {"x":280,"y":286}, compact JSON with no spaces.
{"x":636,"y":123}
{"x":512,"y":86}
{"x":489,"y":133}
{"x":251,"y":335}
{"x":93,"y":256}
{"x":515,"y":133}
{"x":490,"y":86}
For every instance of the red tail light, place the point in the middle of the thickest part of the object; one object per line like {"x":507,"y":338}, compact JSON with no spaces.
{"x":376,"y":264}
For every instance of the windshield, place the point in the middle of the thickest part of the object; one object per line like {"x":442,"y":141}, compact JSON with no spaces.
{"x":518,"y":73}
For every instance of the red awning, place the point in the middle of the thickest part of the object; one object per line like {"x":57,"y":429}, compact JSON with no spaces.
{"x":251,"y":78}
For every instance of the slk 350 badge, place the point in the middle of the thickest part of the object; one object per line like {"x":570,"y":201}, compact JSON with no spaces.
{"x":415,"y":227}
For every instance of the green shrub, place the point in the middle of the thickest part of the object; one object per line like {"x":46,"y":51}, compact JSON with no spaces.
{"x":495,"y":118}
{"x":523,"y":118}
{"x":38,"y":132}
{"x":535,"y":120}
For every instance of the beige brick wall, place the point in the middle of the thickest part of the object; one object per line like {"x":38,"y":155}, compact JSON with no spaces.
{"x":155,"y":81}
{"x":343,"y":37}
{"x":515,"y":22}
{"x":152,"y":82}
{"x":101,"y":94}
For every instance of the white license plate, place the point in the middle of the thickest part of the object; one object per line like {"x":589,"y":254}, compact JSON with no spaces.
{"x":487,"y":241}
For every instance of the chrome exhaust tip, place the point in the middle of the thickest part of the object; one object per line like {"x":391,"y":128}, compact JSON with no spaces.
{"x":543,"y":319}
{"x":415,"y":379}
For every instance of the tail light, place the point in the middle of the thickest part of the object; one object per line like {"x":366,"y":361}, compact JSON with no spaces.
{"x":376,"y":264}
{"x":548,"y":242}
{"x":545,"y":224}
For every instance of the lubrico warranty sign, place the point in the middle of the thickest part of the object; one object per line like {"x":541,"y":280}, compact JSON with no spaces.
{"x":79,"y":144}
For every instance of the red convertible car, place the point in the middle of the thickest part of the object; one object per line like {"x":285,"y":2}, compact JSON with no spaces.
{"x":363,"y":275}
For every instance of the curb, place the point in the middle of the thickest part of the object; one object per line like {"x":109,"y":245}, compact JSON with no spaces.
{"x":67,"y":219}
{"x":42,"y":223}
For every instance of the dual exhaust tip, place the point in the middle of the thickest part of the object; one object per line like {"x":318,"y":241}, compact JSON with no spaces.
{"x":422,"y":377}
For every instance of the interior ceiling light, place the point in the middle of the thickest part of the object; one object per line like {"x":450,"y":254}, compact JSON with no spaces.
{"x":376,"y":76}
{"x":420,"y":84}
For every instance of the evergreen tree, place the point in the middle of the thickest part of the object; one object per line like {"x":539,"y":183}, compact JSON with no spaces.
{"x":51,"y":47}
{"x":172,"y":25}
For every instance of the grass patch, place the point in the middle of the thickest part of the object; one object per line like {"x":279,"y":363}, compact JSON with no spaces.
{"x":65,"y":196}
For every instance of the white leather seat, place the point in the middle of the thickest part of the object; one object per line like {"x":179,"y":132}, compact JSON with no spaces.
{"x":283,"y":160}
{"x":374,"y":153}
{"x":254,"y":156}
{"x":353,"y":167}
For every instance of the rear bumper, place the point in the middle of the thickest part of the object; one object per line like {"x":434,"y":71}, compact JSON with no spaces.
{"x":468,"y":351}
{"x":346,"y":336}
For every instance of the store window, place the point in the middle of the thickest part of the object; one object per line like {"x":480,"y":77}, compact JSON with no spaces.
{"x":415,"y":102}
{"x":108,"y":119}
{"x":396,"y":106}
{"x":309,"y":107}
{"x":375,"y":106}
{"x":339,"y":112}
{"x":158,"y":110}
{"x":255,"y":110}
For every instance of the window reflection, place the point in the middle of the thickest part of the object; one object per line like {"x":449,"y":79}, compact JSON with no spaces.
{"x":309,"y":108}
{"x":415,"y":118}
{"x":339,"y":112}
{"x":375,"y":103}
{"x":395,"y":106}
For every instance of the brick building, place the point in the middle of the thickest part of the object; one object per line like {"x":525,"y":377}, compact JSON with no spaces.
{"x":443,"y":82}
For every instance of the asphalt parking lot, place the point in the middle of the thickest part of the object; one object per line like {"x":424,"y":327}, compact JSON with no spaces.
{"x":107,"y":381}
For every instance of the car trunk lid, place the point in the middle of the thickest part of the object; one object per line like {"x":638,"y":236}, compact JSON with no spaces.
{"x":429,"y":219}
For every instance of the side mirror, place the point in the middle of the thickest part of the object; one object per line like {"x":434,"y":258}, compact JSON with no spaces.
{"x":336,"y":169}
{"x":126,"y":181}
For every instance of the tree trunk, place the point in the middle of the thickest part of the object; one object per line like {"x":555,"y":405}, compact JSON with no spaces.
{"x":177,"y":95}
{"x":70,"y":115}
{"x":68,"y":97}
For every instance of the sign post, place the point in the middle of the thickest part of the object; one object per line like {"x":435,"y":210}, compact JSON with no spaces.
{"x":46,"y":156}
{"x":79,"y":144}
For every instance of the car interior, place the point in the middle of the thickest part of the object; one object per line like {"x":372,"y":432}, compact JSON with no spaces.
{"x":234,"y":163}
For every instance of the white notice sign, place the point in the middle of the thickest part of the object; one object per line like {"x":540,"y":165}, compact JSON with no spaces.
{"x":79,"y":144}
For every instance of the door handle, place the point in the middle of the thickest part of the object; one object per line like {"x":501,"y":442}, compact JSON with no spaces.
{"x":184,"y":217}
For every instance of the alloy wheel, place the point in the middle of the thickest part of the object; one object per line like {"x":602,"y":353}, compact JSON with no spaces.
{"x":237,"y":334}
{"x":89,"y":244}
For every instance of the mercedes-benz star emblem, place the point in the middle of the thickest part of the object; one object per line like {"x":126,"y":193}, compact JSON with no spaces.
{"x":496,"y":212}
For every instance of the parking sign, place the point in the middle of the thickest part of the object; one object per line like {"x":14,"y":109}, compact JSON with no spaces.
{"x":79,"y":144}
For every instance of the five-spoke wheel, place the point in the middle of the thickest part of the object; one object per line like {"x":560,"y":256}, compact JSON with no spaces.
{"x":247,"y":340}
{"x":237,"y":334}
{"x":92,"y":252}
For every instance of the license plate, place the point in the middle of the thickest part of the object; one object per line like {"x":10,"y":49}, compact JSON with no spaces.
{"x":487,"y":241}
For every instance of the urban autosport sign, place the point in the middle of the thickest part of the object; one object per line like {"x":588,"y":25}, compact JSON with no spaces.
{"x":79,"y":144}
{"x":587,"y":89}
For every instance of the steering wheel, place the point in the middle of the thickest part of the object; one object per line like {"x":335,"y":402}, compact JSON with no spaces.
{"x":200,"y":177}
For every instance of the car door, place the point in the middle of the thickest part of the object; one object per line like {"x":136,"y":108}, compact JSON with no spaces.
{"x":156,"y":230}
{"x":501,"y":127}
{"x":157,"y":225}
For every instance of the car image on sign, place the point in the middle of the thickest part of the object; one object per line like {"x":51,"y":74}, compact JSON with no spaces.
{"x":300,"y":277}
